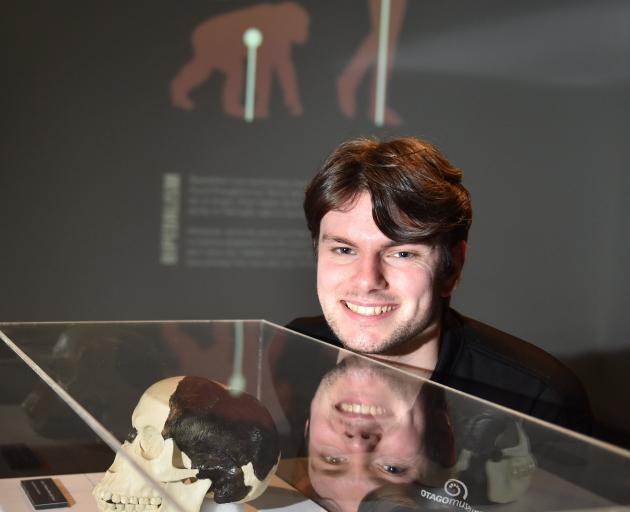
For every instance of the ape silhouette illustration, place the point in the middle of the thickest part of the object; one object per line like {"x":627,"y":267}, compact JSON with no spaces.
{"x":218,"y":46}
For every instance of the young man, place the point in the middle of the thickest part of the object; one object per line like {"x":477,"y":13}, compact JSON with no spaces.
{"x":389,"y":223}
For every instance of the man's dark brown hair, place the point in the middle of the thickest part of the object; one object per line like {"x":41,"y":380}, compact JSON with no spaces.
{"x":417,"y":195}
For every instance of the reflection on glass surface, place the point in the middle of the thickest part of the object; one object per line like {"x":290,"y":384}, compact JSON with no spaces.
{"x":371,"y":425}
{"x":354,"y":433}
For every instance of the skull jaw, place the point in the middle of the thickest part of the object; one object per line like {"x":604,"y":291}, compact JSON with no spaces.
{"x":188,"y":496}
{"x":123,"y":483}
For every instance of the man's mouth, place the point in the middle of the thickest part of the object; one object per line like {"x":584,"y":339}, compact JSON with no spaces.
{"x":368,"y":310}
{"x":363,"y":409}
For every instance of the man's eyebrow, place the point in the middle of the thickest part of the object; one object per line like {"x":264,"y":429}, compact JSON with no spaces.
{"x":337,"y":239}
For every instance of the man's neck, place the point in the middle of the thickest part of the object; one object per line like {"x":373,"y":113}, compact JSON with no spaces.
{"x":424,"y":354}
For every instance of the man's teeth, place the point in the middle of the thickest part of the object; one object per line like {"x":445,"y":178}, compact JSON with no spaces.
{"x":372,"y":410}
{"x":368,"y":310}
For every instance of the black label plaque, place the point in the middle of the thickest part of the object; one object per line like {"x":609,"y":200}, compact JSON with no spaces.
{"x":43,"y":493}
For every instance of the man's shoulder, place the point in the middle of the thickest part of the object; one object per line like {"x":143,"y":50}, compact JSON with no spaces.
{"x":502,"y":368}
{"x":315,"y":327}
{"x":502,"y":348}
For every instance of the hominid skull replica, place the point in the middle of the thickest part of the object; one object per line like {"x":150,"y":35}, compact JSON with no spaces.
{"x":196,"y":439}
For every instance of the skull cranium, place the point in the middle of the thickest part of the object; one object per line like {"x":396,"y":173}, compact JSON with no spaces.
{"x":196,"y":440}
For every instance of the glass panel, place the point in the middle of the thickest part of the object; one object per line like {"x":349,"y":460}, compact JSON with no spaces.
{"x":102,"y":371}
{"x":39,"y":433}
{"x":355,"y":434}
{"x":370,"y":437}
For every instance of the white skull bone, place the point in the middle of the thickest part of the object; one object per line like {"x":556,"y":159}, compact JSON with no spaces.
{"x":195,"y":439}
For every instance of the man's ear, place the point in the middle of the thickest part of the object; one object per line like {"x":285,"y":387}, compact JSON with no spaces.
{"x":458,"y":258}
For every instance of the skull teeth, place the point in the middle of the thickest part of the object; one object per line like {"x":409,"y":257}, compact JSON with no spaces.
{"x":129,"y":507}
{"x":108,"y":501}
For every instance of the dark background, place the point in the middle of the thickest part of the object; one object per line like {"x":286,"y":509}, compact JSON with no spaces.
{"x":529,"y":98}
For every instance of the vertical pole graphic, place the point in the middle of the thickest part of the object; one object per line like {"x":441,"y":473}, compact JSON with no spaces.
{"x":252,"y":38}
{"x":381,"y":65}
{"x":237,"y":382}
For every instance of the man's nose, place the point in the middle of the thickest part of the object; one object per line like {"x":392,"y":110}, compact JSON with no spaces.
{"x":361,"y":440}
{"x":369,"y":274}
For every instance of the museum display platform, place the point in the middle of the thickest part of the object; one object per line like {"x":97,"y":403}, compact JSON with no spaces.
{"x":354,"y":434}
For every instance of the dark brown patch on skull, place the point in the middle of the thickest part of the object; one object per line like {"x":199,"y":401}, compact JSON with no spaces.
{"x":221,"y":433}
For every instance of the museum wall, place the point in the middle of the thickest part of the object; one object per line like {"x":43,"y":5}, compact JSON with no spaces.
{"x":141,"y":181}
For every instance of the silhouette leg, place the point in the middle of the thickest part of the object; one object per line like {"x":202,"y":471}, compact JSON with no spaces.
{"x":353,"y":74}
{"x":289,"y":85}
{"x":193,"y":74}
{"x":233,"y":90}
{"x":263,"y":86}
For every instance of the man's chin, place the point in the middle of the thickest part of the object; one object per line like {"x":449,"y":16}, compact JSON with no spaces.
{"x":366,"y":344}
{"x":367,"y":339}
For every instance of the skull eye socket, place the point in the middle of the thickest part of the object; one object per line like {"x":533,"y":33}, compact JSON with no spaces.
{"x":133,"y":433}
{"x":151,"y":443}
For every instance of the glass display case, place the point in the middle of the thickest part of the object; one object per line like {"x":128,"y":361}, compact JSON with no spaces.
{"x":354,"y":433}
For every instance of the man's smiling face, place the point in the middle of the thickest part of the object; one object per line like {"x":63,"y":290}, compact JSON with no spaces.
{"x":376,"y":294}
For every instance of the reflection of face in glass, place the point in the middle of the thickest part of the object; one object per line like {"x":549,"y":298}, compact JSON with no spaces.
{"x":368,"y":427}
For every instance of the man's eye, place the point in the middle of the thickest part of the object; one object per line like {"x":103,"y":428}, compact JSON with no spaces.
{"x":404,"y":254}
{"x":343,"y":250}
{"x":393,"y":470}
